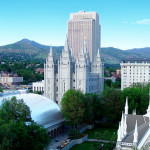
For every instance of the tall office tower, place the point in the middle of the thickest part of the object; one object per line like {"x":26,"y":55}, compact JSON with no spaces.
{"x":84,"y":26}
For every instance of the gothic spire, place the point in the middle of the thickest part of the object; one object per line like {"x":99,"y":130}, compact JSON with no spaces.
{"x":119,"y":133}
{"x":122,"y":126}
{"x":51,"y":51}
{"x":126,"y":106}
{"x":66,"y":47}
{"x":135,"y":140}
{"x":125,"y":126}
{"x":98,"y":54}
{"x":148,"y":110}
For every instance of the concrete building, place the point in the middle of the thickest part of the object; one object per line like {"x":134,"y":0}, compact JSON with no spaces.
{"x":7,"y":79}
{"x":68,"y":73}
{"x":134,"y":71}
{"x":134,"y":130}
{"x":84,"y":26}
{"x":38,"y":86}
{"x":44,"y":111}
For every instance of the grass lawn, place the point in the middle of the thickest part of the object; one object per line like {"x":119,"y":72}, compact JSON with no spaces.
{"x":101,"y":133}
{"x":92,"y":146}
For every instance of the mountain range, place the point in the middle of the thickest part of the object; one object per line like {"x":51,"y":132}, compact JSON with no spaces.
{"x":33,"y":50}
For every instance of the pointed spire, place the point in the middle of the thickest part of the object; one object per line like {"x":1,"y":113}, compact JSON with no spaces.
{"x":119,"y":133}
{"x":66,"y":47}
{"x":122,"y":126}
{"x":51,"y":51}
{"x":148,"y":109}
{"x":125,"y":126}
{"x":126,"y":106}
{"x":134,"y":112}
{"x":82,"y":51}
{"x":98,"y":53}
{"x":135,"y":140}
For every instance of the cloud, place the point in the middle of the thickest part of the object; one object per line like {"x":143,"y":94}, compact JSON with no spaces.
{"x":144,"y":21}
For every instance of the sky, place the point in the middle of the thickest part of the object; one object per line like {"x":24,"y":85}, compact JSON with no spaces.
{"x":125,"y":24}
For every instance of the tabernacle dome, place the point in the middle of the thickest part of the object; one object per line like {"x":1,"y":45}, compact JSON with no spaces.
{"x":43,"y":110}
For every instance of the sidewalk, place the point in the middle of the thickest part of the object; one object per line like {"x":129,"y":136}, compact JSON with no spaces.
{"x":53,"y":145}
{"x":104,"y":141}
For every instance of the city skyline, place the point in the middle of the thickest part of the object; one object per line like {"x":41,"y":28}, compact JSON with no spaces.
{"x":125,"y":24}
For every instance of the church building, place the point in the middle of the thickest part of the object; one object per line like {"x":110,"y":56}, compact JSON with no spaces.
{"x":70,"y":73}
{"x":134,"y":130}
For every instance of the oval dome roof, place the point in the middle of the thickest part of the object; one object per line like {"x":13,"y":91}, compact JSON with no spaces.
{"x":43,"y":110}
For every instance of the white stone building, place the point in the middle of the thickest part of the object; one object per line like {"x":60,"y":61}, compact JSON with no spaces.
{"x":44,"y":111}
{"x":134,"y":130}
{"x":68,"y":73}
{"x":134,"y":71}
{"x":38,"y":86}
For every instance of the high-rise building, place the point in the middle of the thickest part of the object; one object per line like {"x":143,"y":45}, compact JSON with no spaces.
{"x":84,"y":26}
{"x":134,"y":71}
{"x":79,"y":66}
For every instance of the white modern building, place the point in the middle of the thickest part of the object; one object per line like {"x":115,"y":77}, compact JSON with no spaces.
{"x":44,"y":111}
{"x":134,"y":71}
{"x":134,"y":130}
{"x":84,"y":25}
{"x":38,"y":86}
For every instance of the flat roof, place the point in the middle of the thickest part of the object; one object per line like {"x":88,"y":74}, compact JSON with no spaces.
{"x":136,"y":59}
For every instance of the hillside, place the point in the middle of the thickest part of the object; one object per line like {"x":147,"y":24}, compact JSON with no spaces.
{"x":26,"y":49}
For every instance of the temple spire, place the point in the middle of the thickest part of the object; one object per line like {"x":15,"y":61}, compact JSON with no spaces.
{"x":126,"y":106}
{"x":119,"y":133}
{"x":98,"y":54}
{"x":122,"y":126}
{"x":125,"y":126}
{"x":66,"y":47}
{"x":135,"y":140}
{"x":51,"y":51}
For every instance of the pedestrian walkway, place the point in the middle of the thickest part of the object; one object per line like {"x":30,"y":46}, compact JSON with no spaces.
{"x":57,"y":141}
{"x":103,"y":141}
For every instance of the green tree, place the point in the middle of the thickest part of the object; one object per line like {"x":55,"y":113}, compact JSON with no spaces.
{"x":93,"y":107}
{"x":112,"y":104}
{"x":138,"y":95}
{"x":15,"y":110}
{"x":1,"y":90}
{"x":17,"y":130}
{"x":73,"y":107}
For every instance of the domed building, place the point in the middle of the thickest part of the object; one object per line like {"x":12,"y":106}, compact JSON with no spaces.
{"x":43,"y":110}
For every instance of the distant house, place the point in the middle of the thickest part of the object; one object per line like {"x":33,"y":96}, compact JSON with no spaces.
{"x":40,"y":70}
{"x":7,"y":79}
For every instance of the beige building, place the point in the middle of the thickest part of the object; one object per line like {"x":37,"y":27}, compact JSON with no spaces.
{"x":134,"y":71}
{"x":84,"y":26}
{"x":10,"y":79}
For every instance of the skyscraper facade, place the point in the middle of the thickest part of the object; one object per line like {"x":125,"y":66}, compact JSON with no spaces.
{"x":80,"y":66}
{"x":84,"y":26}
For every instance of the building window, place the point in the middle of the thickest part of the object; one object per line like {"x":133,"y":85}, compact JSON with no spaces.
{"x":64,"y":86}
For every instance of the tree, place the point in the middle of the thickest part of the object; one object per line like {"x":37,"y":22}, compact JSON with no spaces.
{"x":1,"y":90}
{"x":93,"y":107}
{"x":138,"y":95}
{"x":18,"y":130}
{"x":112,"y":105}
{"x":15,"y":110}
{"x":73,"y":107}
